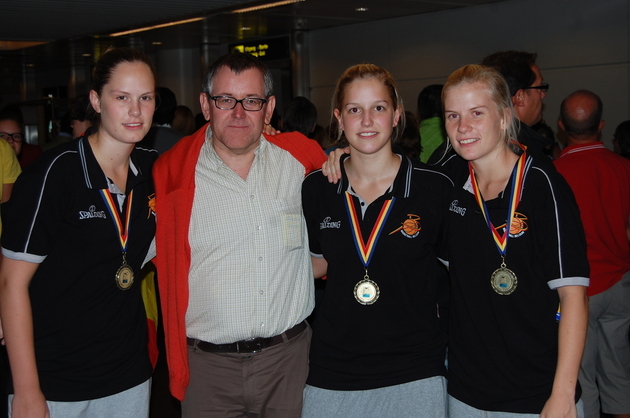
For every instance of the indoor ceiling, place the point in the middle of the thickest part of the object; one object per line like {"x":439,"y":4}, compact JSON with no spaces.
{"x":75,"y":30}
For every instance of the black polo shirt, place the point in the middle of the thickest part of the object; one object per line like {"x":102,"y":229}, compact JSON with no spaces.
{"x":399,"y":338}
{"x":90,"y":336}
{"x":503,"y":348}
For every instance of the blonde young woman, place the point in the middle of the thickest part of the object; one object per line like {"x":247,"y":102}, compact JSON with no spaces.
{"x":77,"y":230}
{"x":378,"y":342}
{"x":518,"y":267}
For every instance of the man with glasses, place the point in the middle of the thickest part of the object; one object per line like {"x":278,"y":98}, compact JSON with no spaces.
{"x":526,"y":86}
{"x":12,"y":126}
{"x":11,"y":133}
{"x":235,"y":277}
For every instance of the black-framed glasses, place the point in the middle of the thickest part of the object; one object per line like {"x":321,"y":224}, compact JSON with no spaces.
{"x":543,"y":87}
{"x":251,"y":104}
{"x":17,"y":137}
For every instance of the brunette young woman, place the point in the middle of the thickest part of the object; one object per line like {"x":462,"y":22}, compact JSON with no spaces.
{"x":517,"y":259}
{"x":378,"y":343}
{"x":76,"y":232}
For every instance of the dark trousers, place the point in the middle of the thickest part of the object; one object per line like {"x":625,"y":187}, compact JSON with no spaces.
{"x":268,"y":384}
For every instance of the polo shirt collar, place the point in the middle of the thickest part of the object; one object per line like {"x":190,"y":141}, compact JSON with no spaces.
{"x":214,"y":157}
{"x":582,"y":147}
{"x":402,"y":182}
{"x":94,"y":176}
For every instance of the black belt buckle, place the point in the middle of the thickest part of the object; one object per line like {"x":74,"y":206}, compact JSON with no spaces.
{"x":252,"y":345}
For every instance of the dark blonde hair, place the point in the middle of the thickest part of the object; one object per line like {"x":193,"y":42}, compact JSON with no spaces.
{"x":105,"y":67}
{"x":368,"y":72}
{"x":499,"y":94}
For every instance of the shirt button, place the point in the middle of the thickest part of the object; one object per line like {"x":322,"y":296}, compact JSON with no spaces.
{"x":362,"y":203}
{"x":261,"y":292}
{"x":259,"y":258}
{"x":259,"y":227}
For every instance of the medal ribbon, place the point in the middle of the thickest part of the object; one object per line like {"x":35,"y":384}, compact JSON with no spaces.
{"x":518,"y":175}
{"x":122,"y":230}
{"x":366,"y":249}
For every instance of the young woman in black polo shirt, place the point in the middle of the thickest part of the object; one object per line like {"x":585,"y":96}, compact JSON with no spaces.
{"x":77,"y":231}
{"x":518,"y":312}
{"x":378,"y":343}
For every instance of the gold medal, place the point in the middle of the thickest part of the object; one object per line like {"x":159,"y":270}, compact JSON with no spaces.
{"x":124,"y":276}
{"x":366,"y":292}
{"x":503,"y":280}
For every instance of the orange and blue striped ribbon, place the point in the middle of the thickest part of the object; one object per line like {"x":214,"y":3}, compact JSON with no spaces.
{"x":518,"y":175}
{"x":366,"y":249}
{"x":122,"y":230}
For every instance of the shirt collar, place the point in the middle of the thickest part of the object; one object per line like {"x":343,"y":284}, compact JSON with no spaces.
{"x":94,"y":176}
{"x":402,"y":183}
{"x":212,"y":153}
{"x":582,"y":147}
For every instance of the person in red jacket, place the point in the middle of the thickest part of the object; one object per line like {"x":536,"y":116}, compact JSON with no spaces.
{"x":234,"y":269}
{"x":600,"y":180}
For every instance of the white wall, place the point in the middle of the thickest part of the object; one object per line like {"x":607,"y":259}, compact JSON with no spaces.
{"x":581,"y":44}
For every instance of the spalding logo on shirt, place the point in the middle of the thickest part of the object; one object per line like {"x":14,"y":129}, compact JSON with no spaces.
{"x":91,"y":213}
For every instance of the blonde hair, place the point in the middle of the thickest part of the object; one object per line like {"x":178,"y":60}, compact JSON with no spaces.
{"x":499,"y":94}
{"x":367,"y":72}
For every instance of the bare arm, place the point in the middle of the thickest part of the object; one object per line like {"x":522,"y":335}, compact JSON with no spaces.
{"x":320,"y":266}
{"x":571,"y":338}
{"x":17,"y":320}
{"x":6,"y":191}
{"x":332,"y":167}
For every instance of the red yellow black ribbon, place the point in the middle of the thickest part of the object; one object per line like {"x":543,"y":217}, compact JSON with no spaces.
{"x":365,"y":249}
{"x":518,"y":175}
{"x":122,"y":230}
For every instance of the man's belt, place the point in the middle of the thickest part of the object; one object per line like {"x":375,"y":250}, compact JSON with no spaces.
{"x":252,"y":345}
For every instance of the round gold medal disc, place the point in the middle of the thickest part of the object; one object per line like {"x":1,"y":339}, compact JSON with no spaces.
{"x":124,"y":277}
{"x":366,"y":292}
{"x":503,"y":281}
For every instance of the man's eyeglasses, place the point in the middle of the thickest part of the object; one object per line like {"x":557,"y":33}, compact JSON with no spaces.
{"x":543,"y":87}
{"x":250,"y":104}
{"x":17,"y":137}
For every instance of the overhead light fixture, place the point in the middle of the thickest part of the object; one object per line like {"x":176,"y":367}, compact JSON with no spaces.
{"x":266,"y":6}
{"x":86,"y":55}
{"x":163,"y":25}
{"x":156,"y":43}
{"x":361,"y":9}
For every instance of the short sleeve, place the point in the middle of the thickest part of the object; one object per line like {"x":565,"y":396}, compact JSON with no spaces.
{"x":564,"y":243}
{"x":10,"y":165}
{"x":34,"y":214}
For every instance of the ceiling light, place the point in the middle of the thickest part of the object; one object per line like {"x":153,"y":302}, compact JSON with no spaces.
{"x":266,"y":6}
{"x":156,"y":43}
{"x":86,"y":55}
{"x":163,"y":25}
{"x":361,"y":9}
{"x":246,"y":28}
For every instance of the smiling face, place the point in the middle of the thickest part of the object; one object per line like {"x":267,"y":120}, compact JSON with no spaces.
{"x":473,"y":122}
{"x":127,"y":103}
{"x":237,"y":131}
{"x":367,"y":116}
